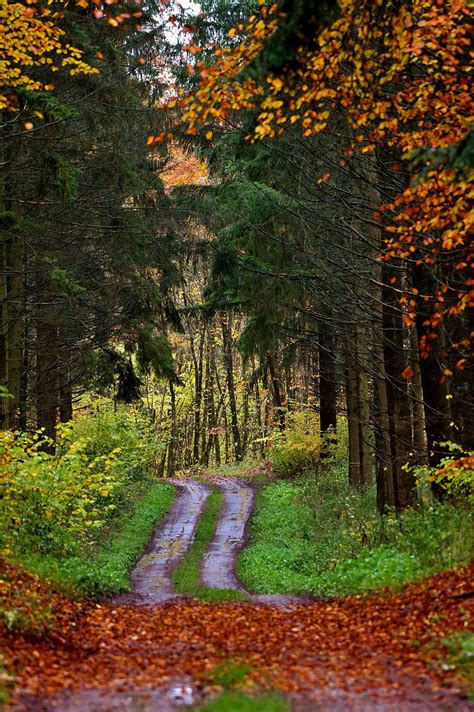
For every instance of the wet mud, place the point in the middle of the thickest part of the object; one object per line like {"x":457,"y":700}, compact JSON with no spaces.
{"x":151,"y":577}
{"x":218,"y":566}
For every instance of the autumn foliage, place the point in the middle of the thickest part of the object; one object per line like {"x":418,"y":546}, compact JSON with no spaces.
{"x":400,"y":73}
{"x":32,"y":37}
{"x":92,"y":646}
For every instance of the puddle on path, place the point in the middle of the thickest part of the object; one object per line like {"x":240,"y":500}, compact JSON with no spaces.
{"x":177,"y":695}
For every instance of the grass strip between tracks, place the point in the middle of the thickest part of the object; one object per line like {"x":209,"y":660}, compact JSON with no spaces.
{"x":187,"y":575}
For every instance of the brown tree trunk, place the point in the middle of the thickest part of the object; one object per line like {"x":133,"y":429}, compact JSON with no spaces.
{"x":418,"y":406}
{"x":171,"y":464}
{"x":327,"y":380}
{"x":15,"y":327}
{"x":198,"y":362}
{"x":398,"y":401}
{"x":47,"y":387}
{"x":277,"y":399}
{"x":229,"y":369}
{"x":353,"y":421}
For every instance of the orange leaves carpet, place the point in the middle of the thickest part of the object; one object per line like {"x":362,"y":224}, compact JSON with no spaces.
{"x":383,"y":642}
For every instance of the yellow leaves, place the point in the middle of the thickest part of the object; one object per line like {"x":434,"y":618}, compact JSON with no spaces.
{"x":209,"y":135}
{"x":32,"y":38}
{"x":276,"y":83}
{"x":232,"y":32}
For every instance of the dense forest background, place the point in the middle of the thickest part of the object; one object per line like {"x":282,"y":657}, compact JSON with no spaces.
{"x":227,"y":283}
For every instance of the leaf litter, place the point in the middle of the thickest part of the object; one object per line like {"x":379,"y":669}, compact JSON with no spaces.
{"x":379,"y":647}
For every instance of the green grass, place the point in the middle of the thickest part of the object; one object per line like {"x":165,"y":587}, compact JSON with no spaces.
{"x":187,"y":575}
{"x":459,"y":656}
{"x":231,"y":675}
{"x":318,"y":536}
{"x":105,"y":568}
{"x":234,"y":701}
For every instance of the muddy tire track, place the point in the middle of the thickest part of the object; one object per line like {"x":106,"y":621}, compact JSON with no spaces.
{"x":151,"y":577}
{"x":218,"y":566}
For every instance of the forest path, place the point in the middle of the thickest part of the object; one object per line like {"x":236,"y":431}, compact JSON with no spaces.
{"x":151,"y":577}
{"x":352,"y":654}
{"x":218,"y":566}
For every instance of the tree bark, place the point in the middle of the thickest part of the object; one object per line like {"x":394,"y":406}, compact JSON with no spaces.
{"x":327,"y":380}
{"x":229,"y":369}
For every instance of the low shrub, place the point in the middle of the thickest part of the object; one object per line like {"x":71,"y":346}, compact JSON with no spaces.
{"x":454,"y":476}
{"x":103,"y":567}
{"x":301,"y":448}
{"x":64,"y":513}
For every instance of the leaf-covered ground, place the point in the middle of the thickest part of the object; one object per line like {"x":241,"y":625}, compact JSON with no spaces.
{"x":385,"y":645}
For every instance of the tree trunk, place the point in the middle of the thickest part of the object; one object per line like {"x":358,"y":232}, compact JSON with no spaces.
{"x":327,"y":380}
{"x":353,"y":421}
{"x":171,"y":464}
{"x":398,"y":400}
{"x":277,"y":399}
{"x":229,"y":369}
{"x":15,"y":327}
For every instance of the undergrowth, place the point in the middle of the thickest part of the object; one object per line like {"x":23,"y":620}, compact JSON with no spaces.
{"x":104,"y":568}
{"x":458,"y":656}
{"x":235,"y":701}
{"x":80,"y":512}
{"x":316,"y":535}
{"x":231,"y":677}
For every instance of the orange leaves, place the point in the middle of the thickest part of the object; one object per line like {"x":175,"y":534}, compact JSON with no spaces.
{"x":407,"y":373}
{"x":400,"y":74}
{"x":323,"y":178}
{"x":30,"y":37}
{"x":183,"y":169}
{"x":160,"y":138}
{"x":360,"y":642}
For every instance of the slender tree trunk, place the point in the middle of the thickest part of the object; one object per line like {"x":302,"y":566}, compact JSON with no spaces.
{"x":171,"y":464}
{"x":364,"y":404}
{"x":277,"y":399}
{"x":46,"y":370}
{"x":327,"y":380}
{"x":398,"y":401}
{"x":418,"y":406}
{"x":229,"y":369}
{"x":4,"y":375}
{"x":258,"y":408}
{"x":15,"y":327}
{"x":353,"y":420}
{"x":206,"y":417}
{"x":198,"y":363}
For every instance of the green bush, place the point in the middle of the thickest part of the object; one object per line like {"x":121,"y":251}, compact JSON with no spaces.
{"x":65,"y":513}
{"x":301,"y":448}
{"x":104,"y":567}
